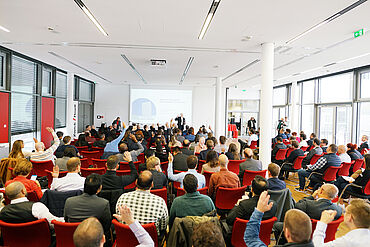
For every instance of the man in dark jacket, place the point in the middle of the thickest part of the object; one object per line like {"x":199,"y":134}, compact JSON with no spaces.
{"x":179,"y":160}
{"x":289,"y":162}
{"x":278,"y":145}
{"x":316,"y":150}
{"x":203,"y":154}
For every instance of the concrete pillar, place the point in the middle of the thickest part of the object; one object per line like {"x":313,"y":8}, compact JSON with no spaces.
{"x":220,"y":108}
{"x":70,"y":108}
{"x":266,"y":103}
{"x":293,"y":118}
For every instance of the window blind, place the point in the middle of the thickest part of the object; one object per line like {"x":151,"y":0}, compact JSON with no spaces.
{"x":23,"y":76}
{"x":23,"y":113}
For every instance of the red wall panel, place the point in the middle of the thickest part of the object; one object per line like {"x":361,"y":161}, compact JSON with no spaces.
{"x":4,"y":117}
{"x":47,"y":120}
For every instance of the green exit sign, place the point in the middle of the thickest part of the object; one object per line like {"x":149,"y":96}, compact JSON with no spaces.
{"x":358,"y":33}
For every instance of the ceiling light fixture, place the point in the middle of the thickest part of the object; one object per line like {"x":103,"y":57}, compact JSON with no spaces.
{"x":241,"y":69}
{"x":4,"y":29}
{"x":190,"y":61}
{"x":209,"y":18}
{"x":327,"y":20}
{"x":133,"y":68}
{"x":91,"y":17}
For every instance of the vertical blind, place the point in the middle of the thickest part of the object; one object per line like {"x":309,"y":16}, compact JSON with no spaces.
{"x":2,"y":70}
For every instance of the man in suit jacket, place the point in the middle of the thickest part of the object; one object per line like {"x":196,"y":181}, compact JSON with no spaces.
{"x":79,"y":208}
{"x":289,"y":162}
{"x":179,"y":160}
{"x":252,"y":124}
{"x":316,"y":150}
{"x":180,"y":122}
{"x":185,"y":148}
{"x":364,"y":144}
{"x":210,"y":146}
{"x":249,"y":164}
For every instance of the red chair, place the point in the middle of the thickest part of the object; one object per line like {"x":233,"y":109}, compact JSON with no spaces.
{"x":30,"y":234}
{"x":101,"y":150}
{"x":49,"y":176}
{"x":226,"y":198}
{"x":365,"y":191}
{"x":357,"y":165}
{"x":90,"y":155}
{"x":125,"y":166}
{"x":141,"y":158}
{"x":248,"y":176}
{"x":161,"y":193}
{"x":331,"y":229}
{"x":87,"y":171}
{"x":344,"y":171}
{"x":297,"y":164}
{"x":234,"y":166}
{"x":364,"y":151}
{"x":200,"y":165}
{"x":84,"y":163}
{"x":280,"y":155}
{"x":123,"y":173}
{"x":181,"y":191}
{"x":39,"y":167}
{"x":315,"y":158}
{"x":253,"y":145}
{"x":237,"y":238}
{"x":207,"y":175}
{"x":82,"y":148}
{"x":330,"y":175}
{"x":289,"y":151}
{"x":126,"y":238}
{"x":98,"y":163}
{"x":64,"y":233}
{"x":164,"y":166}
{"x":304,"y":148}
{"x":310,"y":148}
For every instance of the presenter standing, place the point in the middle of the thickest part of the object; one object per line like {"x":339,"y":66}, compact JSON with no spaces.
{"x":180,"y":122}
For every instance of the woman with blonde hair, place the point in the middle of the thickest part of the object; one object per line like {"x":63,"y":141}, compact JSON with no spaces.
{"x":16,"y":152}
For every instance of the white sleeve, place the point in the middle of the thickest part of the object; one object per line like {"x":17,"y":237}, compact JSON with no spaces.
{"x":141,"y":235}
{"x":40,"y":211}
{"x":319,"y":236}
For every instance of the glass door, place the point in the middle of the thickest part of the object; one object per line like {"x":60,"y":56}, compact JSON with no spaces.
{"x":343,"y":124}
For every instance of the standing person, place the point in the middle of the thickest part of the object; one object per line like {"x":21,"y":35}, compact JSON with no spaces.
{"x":118,"y":123}
{"x":364,"y":144}
{"x":180,"y":122}
{"x":280,"y":125}
{"x":251,"y":124}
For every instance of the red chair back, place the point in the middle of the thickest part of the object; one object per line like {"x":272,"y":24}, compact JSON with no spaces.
{"x":125,"y":166}
{"x":30,"y":234}
{"x":200,"y":165}
{"x":357,"y":165}
{"x":248,"y":176}
{"x":315,"y":158}
{"x":237,"y":238}
{"x":366,"y":190}
{"x":87,"y":171}
{"x":101,"y":150}
{"x":304,"y":148}
{"x":123,"y":173}
{"x":253,"y":145}
{"x":164,"y":166}
{"x":98,"y":163}
{"x":84,"y":163}
{"x":281,"y":153}
{"x":39,"y":167}
{"x":50,"y":177}
{"x":344,"y":171}
{"x":234,"y":166}
{"x":64,"y":233}
{"x":141,"y":158}
{"x":289,"y":151}
{"x":331,"y":229}
{"x":331,"y":173}
{"x":207,"y":175}
{"x":161,"y":193}
{"x":298,"y":162}
{"x":82,"y":148}
{"x":310,"y":148}
{"x":181,"y":191}
{"x":226,"y":198}
{"x":126,"y":238}
{"x":90,"y":155}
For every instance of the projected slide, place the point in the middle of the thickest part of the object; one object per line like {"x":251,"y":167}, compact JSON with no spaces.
{"x":159,"y":106}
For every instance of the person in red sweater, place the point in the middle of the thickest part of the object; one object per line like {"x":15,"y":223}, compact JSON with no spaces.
{"x":21,"y":170}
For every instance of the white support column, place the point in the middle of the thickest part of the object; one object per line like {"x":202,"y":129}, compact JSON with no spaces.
{"x":70,"y":108}
{"x":220,"y":111}
{"x":266,"y":103}
{"x":293,"y":118}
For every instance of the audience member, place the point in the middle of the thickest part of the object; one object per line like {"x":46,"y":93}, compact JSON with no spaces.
{"x":233,"y":152}
{"x":192,"y":203}
{"x":223,"y":178}
{"x":111,"y":147}
{"x":67,"y":143}
{"x":110,"y":180}
{"x":289,"y":162}
{"x":16,"y":152}
{"x":71,"y":181}
{"x":100,"y":142}
{"x":295,"y":135}
{"x":324,"y":145}
{"x":310,"y":141}
{"x":221,"y":147}
{"x":82,"y":142}
{"x":69,"y":152}
{"x":89,"y":233}
{"x":356,"y":218}
{"x":134,"y":153}
{"x":207,"y":234}
{"x":274,"y":183}
{"x":303,"y":142}
{"x":41,"y":154}
{"x":249,"y":164}
{"x":252,"y":137}
{"x":174,"y":142}
{"x":316,"y":150}
{"x":342,"y":153}
{"x":179,"y":160}
{"x":212,"y":164}
{"x":200,"y":147}
{"x":185,"y":148}
{"x":60,"y":137}
{"x":288,"y":133}
{"x":147,"y":154}
{"x":159,"y":178}
{"x":353,"y":152}
{"x":20,"y":210}
{"x":364,"y":144}
{"x":281,"y":134}
{"x":279,"y":145}
{"x":190,"y":135}
{"x":163,"y":156}
{"x":118,"y":123}
{"x":203,"y":154}
{"x":89,"y":138}
{"x":192,"y":162}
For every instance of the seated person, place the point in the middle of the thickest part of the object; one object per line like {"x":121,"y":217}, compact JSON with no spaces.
{"x":245,"y":208}
{"x":101,"y":142}
{"x":190,"y":135}
{"x":159,"y":178}
{"x":316,"y":150}
{"x":296,"y":236}
{"x":41,"y":153}
{"x":356,"y":218}
{"x":249,"y":164}
{"x":147,"y":154}
{"x":192,"y":203}
{"x":207,"y":233}
{"x":179,"y":160}
{"x":71,"y":181}
{"x":192,"y":162}
{"x":303,"y":142}
{"x":112,"y":146}
{"x":163,"y":156}
{"x":82,"y":142}
{"x":223,"y":178}
{"x":79,"y":208}
{"x":364,"y":144}
{"x":212,"y":164}
{"x":222,"y":147}
{"x":89,"y":233}
{"x":342,"y":153}
{"x":289,"y":162}
{"x":274,"y":183}
{"x":279,"y":145}
{"x":21,"y":170}
{"x":20,"y":210}
{"x":89,"y":137}
{"x":326,"y":161}
{"x":281,"y":134}
{"x":233,"y":152}
{"x":134,"y":153}
{"x":324,"y":145}
{"x":69,"y":152}
{"x":353,"y":152}
{"x":67,"y":143}
{"x":110,"y":180}
{"x":185,"y":148}
{"x":203,"y":154}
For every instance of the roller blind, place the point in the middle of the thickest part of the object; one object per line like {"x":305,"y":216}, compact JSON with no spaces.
{"x":2,"y":70}
{"x":23,"y":75}
{"x":61,"y":100}
{"x":61,"y":85}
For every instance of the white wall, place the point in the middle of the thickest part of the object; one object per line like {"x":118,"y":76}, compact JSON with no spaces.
{"x":204,"y":107}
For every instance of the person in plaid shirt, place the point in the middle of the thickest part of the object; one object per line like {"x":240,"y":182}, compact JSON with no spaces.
{"x":330,"y":159}
{"x":145,"y":207}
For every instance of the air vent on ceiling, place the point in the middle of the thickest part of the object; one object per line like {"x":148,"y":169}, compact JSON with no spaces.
{"x":159,"y":63}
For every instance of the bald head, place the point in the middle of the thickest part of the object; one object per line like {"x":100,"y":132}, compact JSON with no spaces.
{"x":294,"y":218}
{"x":89,"y":234}
{"x":15,"y":190}
{"x":145,"y":180}
{"x":223,"y":160}
{"x":39,"y":146}
{"x":248,"y":153}
{"x":342,"y":149}
{"x":328,"y":191}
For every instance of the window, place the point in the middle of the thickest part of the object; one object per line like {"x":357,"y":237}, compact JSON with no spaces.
{"x":336,"y":88}
{"x":279,"y":96}
{"x":307,"y":118}
{"x":2,"y":70}
{"x":365,"y":84}
{"x":84,"y":94}
{"x":47,"y":82}
{"x":60,"y":100}
{"x":23,"y":76}
{"x":308,"y":94}
{"x":85,"y":115}
{"x":364,"y":119}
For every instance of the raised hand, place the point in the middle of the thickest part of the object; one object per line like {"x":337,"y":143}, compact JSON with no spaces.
{"x":55,"y":172}
{"x":263,"y":204}
{"x":49,"y":129}
{"x":328,"y":216}
{"x":170,"y":158}
{"x":126,"y":215}
{"x":127,"y":156}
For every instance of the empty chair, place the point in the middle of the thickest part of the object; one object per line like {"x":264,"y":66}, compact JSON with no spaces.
{"x":160,"y":192}
{"x":141,"y":158}
{"x":181,"y":191}
{"x":101,"y":150}
{"x":237,"y":238}
{"x":357,"y":165}
{"x":126,"y":238}
{"x":30,"y":234}
{"x":248,"y":176}
{"x":234,"y":166}
{"x":207,"y":175}
{"x":98,"y":163}
{"x":344,"y":171}
{"x":330,"y":230}
{"x":226,"y":198}
{"x":49,"y":176}
{"x":87,"y":171}
{"x":90,"y":155}
{"x":39,"y":167}
{"x":64,"y":233}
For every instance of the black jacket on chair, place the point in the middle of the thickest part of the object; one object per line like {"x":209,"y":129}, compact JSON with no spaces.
{"x":55,"y":200}
{"x":313,"y":208}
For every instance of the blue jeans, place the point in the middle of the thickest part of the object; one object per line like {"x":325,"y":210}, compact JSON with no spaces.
{"x":302,"y":174}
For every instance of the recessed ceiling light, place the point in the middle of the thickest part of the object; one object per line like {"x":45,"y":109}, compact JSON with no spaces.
{"x":209,"y":18}
{"x":91,"y":16}
{"x":246,"y":38}
{"x":4,"y":29}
